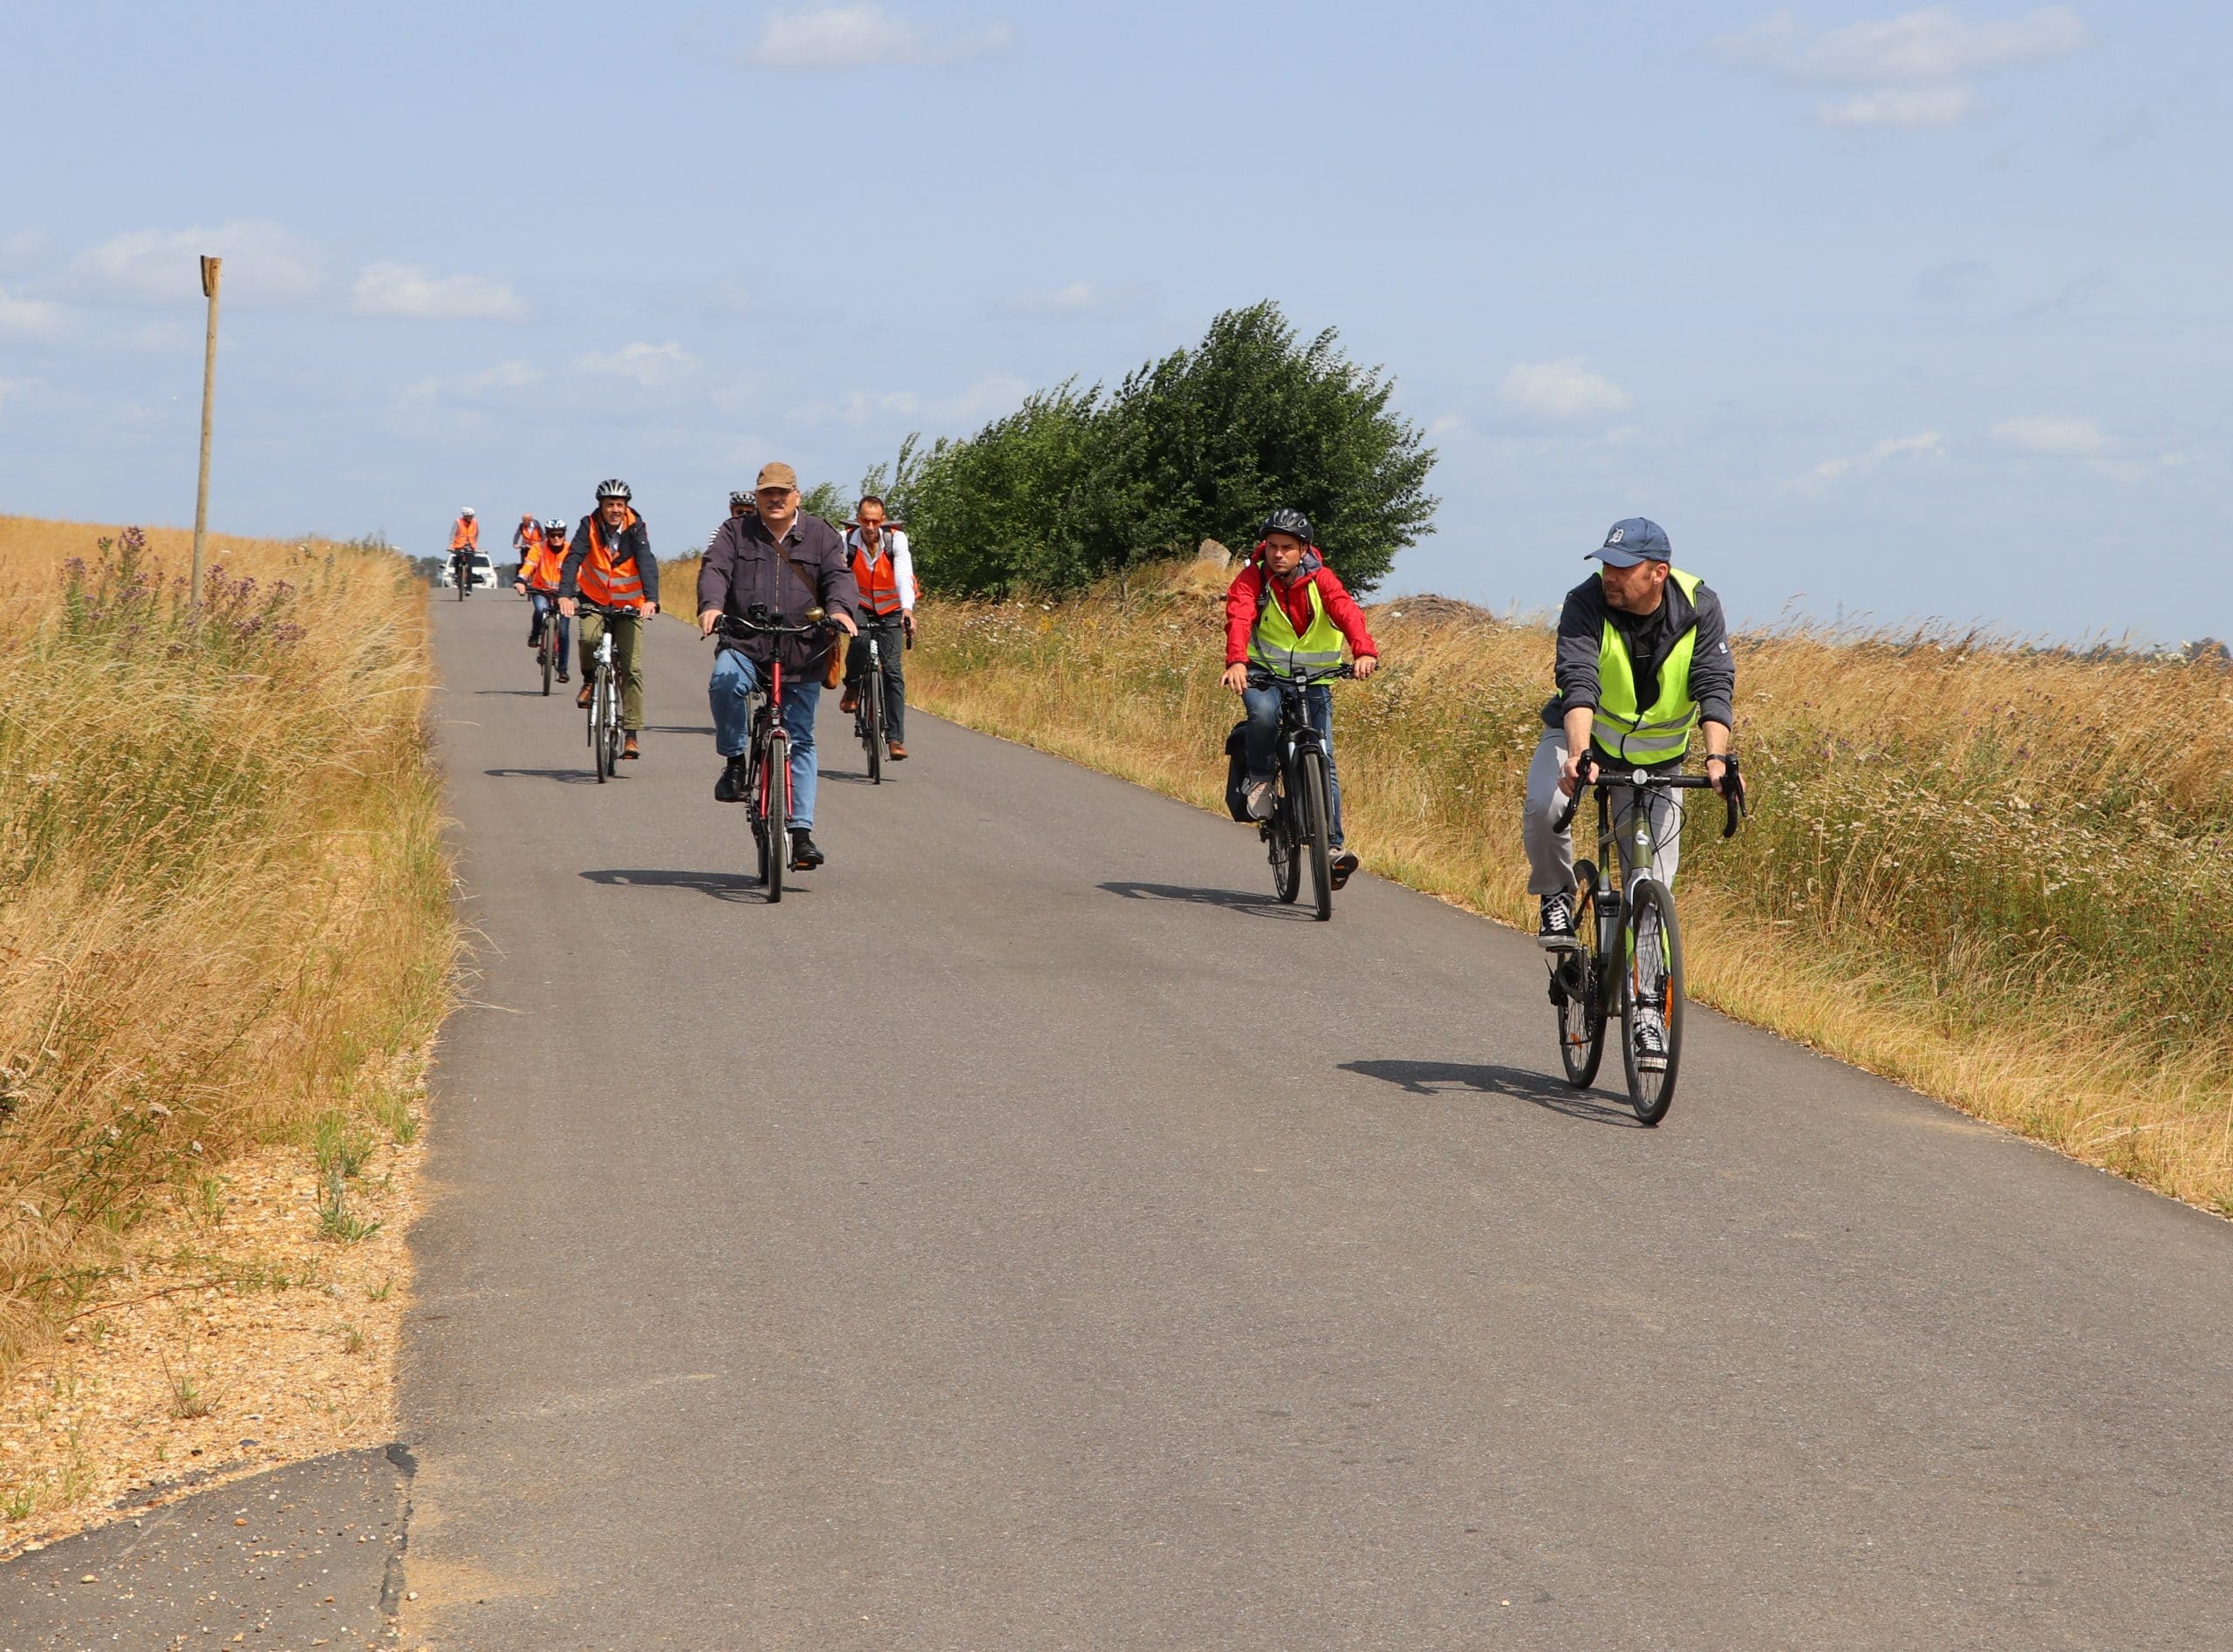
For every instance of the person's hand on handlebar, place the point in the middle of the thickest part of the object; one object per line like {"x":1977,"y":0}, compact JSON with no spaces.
{"x":843,"y":621}
{"x":1576,"y":771}
{"x":708,"y":618}
{"x":566,"y":606}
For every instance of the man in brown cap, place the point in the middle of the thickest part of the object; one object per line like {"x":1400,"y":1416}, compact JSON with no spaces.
{"x":785,"y":563}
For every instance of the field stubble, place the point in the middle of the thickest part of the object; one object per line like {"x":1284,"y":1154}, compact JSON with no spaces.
{"x":224,"y":937}
{"x":2001,"y":876}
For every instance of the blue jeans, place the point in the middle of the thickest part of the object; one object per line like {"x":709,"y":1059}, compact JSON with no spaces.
{"x":1262,"y":736}
{"x":546,"y":605}
{"x":736,"y":677}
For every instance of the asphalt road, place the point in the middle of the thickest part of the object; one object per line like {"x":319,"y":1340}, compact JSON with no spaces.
{"x":1027,"y":1236}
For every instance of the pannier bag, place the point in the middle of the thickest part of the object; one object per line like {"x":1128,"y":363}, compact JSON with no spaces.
{"x":1236,"y":773}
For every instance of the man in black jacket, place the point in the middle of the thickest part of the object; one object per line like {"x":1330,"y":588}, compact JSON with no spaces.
{"x":785,"y":562}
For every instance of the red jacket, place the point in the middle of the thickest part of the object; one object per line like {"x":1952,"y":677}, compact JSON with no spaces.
{"x":1247,"y":592}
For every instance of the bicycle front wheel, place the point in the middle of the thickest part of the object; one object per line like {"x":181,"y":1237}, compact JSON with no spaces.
{"x":1651,"y":988}
{"x":1311,"y":769}
{"x":1577,"y":988}
{"x":1279,"y":837}
{"x":872,"y":725}
{"x":547,"y":657}
{"x":776,"y":787}
{"x":600,"y":721}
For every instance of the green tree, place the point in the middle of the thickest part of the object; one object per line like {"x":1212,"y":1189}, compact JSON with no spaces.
{"x":1076,"y":484}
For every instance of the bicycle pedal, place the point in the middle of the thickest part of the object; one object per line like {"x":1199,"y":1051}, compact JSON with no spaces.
{"x":1558,"y":943}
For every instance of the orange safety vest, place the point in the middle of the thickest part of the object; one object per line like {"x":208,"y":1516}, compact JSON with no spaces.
{"x":466,"y":534}
{"x":540,"y":563}
{"x":879,"y":579}
{"x":604,"y":582}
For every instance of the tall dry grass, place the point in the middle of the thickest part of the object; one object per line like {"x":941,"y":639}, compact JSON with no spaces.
{"x":224,"y":898}
{"x":2003,"y":877}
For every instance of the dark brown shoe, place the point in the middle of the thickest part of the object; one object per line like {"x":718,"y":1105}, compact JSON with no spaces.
{"x":852,"y":703}
{"x":628,"y":747}
{"x":588,"y":687}
{"x":898,"y":752}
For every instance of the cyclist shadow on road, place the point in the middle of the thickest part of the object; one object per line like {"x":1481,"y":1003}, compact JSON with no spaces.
{"x":1443,"y":1078}
{"x":569,"y":776}
{"x":729,"y":886}
{"x":1234,"y":899}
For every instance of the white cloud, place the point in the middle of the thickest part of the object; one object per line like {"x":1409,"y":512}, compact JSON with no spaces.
{"x":1924,"y":445}
{"x":990,"y":397}
{"x":160,"y":338}
{"x":505,"y":378}
{"x":1562,"y":390}
{"x":649,"y":366}
{"x":32,"y":319}
{"x":1914,"y":68}
{"x":2069,"y":296}
{"x":1912,"y":48}
{"x":1902,"y":108}
{"x":409,"y":292}
{"x":854,"y":37}
{"x":1081,"y":300}
{"x":263,"y":265}
{"x":2051,"y":436}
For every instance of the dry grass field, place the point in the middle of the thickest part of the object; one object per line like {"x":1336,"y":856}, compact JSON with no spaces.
{"x":224,"y":927}
{"x":2001,"y":876}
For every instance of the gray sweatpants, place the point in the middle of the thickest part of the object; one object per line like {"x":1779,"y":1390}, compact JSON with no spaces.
{"x":1550,"y":854}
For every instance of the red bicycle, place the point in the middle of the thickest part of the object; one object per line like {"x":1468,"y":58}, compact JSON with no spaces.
{"x":768,"y":763}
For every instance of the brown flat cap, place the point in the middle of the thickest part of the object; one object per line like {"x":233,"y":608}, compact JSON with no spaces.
{"x":776,"y":474}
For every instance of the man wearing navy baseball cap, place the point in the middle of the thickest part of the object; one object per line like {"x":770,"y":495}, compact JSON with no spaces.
{"x":1643,"y":659}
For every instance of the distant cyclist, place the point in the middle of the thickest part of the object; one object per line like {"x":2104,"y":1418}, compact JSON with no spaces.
{"x":885,"y":574}
{"x":528,"y":533}
{"x":610,"y":563}
{"x":1287,"y":608}
{"x":780,"y":560}
{"x":541,"y":560}
{"x":465,"y":540}
{"x":1643,"y":659}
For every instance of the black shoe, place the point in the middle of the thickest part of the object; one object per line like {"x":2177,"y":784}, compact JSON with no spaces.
{"x":564,"y":678}
{"x":1556,"y":931}
{"x":729,"y":788}
{"x":1338,"y":869}
{"x":804,"y":855}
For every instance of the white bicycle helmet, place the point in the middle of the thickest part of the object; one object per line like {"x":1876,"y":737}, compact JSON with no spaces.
{"x":467,"y":511}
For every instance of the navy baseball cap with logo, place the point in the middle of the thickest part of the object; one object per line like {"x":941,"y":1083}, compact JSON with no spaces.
{"x":1632,"y":540}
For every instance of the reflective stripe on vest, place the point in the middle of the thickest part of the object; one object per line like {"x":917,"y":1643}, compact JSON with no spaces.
{"x":1275,"y":645}
{"x":604,"y":582}
{"x":1660,"y":732}
{"x":879,"y":596}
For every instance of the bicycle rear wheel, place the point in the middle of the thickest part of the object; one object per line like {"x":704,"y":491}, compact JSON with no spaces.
{"x":1651,"y":979}
{"x":1311,"y":767}
{"x":1287,"y":859}
{"x":776,"y":789}
{"x":1579,"y":996}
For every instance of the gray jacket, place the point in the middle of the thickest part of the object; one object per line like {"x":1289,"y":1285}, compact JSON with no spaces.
{"x":742,"y":569}
{"x":1650,"y":638}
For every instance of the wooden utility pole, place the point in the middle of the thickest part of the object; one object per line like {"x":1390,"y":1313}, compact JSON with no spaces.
{"x":210,"y":272}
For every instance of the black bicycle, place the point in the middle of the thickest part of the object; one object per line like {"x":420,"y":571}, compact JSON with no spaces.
{"x":868,"y":710}
{"x":549,"y":656}
{"x":604,"y":731}
{"x":1626,"y":958}
{"x":461,"y":572}
{"x":767,"y":765}
{"x":1301,"y":825}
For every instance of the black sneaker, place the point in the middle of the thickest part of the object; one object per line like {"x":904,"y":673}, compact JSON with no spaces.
{"x":1651,"y":1040}
{"x":1556,"y":931}
{"x":729,"y":788}
{"x":804,"y":855}
{"x":1339,"y":869}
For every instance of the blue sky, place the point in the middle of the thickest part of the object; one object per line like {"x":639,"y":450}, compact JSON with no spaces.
{"x":1880,"y":312}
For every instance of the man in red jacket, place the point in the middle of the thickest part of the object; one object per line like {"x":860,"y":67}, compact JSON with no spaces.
{"x":1287,"y":609}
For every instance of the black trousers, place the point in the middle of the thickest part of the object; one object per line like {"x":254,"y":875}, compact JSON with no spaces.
{"x":891,"y":646}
